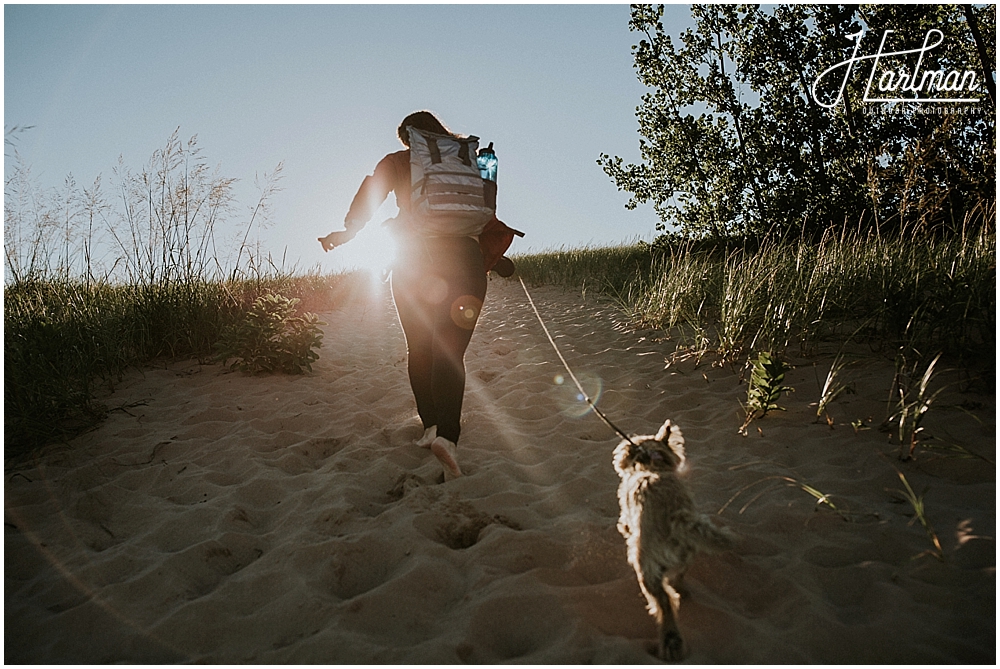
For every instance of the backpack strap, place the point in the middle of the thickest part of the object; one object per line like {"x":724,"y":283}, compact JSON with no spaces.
{"x":435,"y":152}
{"x":463,"y":153}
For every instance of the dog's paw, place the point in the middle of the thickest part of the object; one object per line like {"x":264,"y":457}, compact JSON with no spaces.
{"x":672,"y":647}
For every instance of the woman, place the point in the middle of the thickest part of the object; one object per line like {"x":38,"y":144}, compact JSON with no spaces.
{"x":438,"y":286}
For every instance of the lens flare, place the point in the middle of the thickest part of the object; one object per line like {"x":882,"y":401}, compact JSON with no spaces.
{"x":570,"y":400}
{"x":465,"y":310}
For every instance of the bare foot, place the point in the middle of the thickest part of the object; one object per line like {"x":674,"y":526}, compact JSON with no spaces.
{"x":446,"y":453}
{"x":429,"y":435}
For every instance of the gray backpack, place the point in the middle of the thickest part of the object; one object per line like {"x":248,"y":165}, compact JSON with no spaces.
{"x":448,"y":196}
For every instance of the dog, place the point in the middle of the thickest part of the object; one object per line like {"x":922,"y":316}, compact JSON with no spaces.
{"x":662,"y":530}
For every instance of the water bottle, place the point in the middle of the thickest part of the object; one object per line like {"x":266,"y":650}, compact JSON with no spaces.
{"x":487,"y":161}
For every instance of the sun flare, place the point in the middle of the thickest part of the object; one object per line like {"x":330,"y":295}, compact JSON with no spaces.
{"x":373,"y":250}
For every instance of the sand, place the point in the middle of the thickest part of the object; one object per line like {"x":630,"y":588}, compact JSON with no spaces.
{"x":224,"y":518}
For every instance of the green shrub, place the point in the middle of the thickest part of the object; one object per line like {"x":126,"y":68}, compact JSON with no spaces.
{"x":272,"y":338}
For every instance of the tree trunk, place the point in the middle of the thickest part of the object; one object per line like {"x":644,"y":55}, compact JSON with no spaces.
{"x":970,"y":19}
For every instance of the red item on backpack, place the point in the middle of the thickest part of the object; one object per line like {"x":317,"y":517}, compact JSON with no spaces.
{"x":494,"y":241}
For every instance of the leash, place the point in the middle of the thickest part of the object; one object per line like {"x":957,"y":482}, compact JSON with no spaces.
{"x":583,"y":393}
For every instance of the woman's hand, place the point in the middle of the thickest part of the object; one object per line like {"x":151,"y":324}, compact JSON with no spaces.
{"x":335,"y":239}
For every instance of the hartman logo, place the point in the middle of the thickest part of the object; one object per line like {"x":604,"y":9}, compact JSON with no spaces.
{"x":896,"y":83}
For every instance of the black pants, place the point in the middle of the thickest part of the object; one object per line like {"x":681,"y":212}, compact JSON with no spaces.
{"x":438,"y":285}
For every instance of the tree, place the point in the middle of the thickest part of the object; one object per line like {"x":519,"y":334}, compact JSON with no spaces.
{"x":736,"y":142}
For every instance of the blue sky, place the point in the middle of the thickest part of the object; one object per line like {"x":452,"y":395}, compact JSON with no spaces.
{"x":322,"y":88}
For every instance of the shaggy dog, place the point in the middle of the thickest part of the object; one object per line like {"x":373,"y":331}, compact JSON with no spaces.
{"x":661,"y":527}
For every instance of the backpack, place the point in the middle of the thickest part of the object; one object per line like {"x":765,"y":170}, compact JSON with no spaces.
{"x":447,"y":195}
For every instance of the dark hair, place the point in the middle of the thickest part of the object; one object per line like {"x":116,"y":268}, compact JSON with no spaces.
{"x":421,"y":120}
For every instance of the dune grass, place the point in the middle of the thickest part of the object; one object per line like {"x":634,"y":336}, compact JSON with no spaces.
{"x":926,"y":294}
{"x":96,"y":283}
{"x":67,"y":342}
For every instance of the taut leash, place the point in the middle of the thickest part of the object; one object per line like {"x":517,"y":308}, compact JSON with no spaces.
{"x":583,"y":393}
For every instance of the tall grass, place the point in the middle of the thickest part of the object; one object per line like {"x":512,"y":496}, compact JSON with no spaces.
{"x":928,"y":294}
{"x":610,"y":269}
{"x":95,"y":284}
{"x":68,"y":341}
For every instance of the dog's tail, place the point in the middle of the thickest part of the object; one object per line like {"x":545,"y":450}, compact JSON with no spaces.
{"x":711,"y":537}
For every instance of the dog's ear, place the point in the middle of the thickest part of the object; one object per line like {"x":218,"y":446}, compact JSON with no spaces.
{"x":664,"y":432}
{"x":676,"y":444}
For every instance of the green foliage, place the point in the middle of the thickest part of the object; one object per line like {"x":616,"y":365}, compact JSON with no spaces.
{"x":888,"y":292}
{"x":734,"y":143}
{"x":68,"y":342}
{"x":913,"y":400}
{"x":764,"y":387}
{"x":920,"y":513}
{"x":97,"y":284}
{"x":832,"y":389}
{"x":272,"y":338}
{"x":610,"y":269}
{"x":822,"y":499}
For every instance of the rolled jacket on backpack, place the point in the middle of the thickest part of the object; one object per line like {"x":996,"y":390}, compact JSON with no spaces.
{"x":494,"y":241}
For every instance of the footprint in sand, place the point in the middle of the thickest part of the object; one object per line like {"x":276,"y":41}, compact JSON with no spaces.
{"x":308,"y":456}
{"x":359,"y":566}
{"x":405,"y":484}
{"x":457,"y":524}
{"x":486,"y":375}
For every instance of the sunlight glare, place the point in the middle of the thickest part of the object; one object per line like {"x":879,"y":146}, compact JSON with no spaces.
{"x":373,"y":250}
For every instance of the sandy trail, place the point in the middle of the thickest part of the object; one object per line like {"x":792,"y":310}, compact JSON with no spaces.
{"x":282,"y":519}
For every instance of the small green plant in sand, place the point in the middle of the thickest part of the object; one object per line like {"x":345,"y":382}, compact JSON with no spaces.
{"x":950,"y":449}
{"x":272,"y":338}
{"x":822,"y":499}
{"x":912,"y":401}
{"x":859,"y":425}
{"x":917,"y":502}
{"x":832,"y":389}
{"x":764,"y":388}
